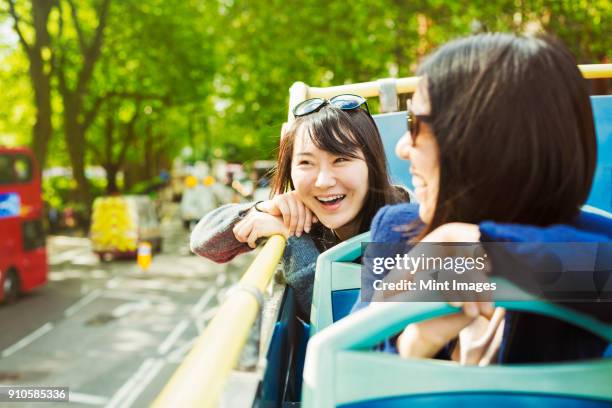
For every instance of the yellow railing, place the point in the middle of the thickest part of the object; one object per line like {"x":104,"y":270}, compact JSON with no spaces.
{"x":200,"y":379}
{"x":596,"y":71}
{"x":300,"y":91}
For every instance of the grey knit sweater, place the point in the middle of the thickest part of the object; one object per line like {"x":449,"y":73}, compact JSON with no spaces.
{"x":213,"y":238}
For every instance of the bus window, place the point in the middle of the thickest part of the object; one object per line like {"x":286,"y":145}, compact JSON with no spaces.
{"x":6,"y":172}
{"x":22,"y":167}
{"x":33,"y":235}
{"x":15,"y":168}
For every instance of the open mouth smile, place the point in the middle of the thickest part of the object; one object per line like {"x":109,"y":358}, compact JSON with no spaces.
{"x":330,"y":201}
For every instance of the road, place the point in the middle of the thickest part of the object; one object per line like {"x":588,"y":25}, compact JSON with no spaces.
{"x":110,"y":332}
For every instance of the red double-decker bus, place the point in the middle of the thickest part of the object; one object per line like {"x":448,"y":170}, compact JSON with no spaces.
{"x":23,"y":257}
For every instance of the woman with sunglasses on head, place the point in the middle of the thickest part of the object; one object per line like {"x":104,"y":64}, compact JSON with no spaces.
{"x":502,"y":148}
{"x":330,"y":180}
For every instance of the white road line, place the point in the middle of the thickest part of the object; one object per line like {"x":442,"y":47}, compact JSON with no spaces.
{"x":202,"y":320}
{"x":131,"y":383}
{"x":203,"y":302}
{"x":90,"y":297}
{"x":87,"y":399}
{"x":221,"y":279}
{"x":178,"y":355}
{"x":27,"y":339}
{"x":143,"y":383}
{"x":134,"y":296}
{"x":68,"y":255}
{"x":67,"y":240}
{"x":173,"y":337}
{"x":113,"y":283}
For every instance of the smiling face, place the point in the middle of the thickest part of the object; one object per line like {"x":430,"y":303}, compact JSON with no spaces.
{"x":333,"y":187}
{"x":422,"y":151}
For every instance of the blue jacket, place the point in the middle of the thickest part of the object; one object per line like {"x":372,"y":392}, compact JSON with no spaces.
{"x":528,"y":338}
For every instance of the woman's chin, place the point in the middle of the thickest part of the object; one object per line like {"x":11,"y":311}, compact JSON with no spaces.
{"x":330,"y":223}
{"x":425,"y":214}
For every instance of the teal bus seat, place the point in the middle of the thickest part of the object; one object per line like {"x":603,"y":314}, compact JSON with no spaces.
{"x":601,"y":192}
{"x":337,"y":282}
{"x":484,"y":400}
{"x":341,"y":368}
{"x":392,"y":126}
{"x":343,"y":302}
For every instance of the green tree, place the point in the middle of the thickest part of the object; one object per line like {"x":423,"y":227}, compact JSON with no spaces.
{"x":37,"y":47}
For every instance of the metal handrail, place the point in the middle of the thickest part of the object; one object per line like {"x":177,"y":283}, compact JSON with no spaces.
{"x":199,"y":380}
{"x":299,"y":91}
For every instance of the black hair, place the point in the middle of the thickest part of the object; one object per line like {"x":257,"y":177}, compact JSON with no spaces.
{"x":514,"y":126}
{"x":342,"y":133}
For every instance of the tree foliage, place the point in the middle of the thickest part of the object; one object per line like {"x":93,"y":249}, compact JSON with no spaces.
{"x":128,"y":84}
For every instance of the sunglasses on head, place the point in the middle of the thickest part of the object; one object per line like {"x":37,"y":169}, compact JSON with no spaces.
{"x":344,"y":102}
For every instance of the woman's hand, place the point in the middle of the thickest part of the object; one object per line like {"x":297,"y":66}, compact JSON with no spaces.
{"x":462,"y":232}
{"x":295,"y":215}
{"x":426,"y":339}
{"x":454,"y":232}
{"x":259,"y":225}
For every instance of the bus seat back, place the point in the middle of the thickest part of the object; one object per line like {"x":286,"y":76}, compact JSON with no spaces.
{"x":601,"y":192}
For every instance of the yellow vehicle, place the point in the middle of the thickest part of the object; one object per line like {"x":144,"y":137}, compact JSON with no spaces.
{"x":120,"y":223}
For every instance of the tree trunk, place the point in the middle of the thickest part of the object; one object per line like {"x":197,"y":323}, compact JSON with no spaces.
{"x":75,"y":141}
{"x":148,"y":153}
{"x":75,"y":126}
{"x":111,"y":179}
{"x":40,"y":76}
{"x":43,"y":128}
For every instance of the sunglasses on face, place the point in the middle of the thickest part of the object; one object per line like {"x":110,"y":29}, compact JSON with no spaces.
{"x":344,"y":102}
{"x":414,"y":122}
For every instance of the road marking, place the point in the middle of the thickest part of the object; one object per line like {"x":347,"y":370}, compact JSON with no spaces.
{"x":149,"y":376}
{"x":113,"y":283}
{"x":87,"y":399}
{"x":90,"y":297}
{"x":135,"y":296}
{"x":203,"y":302}
{"x":136,"y":284}
{"x":67,"y":240}
{"x":173,"y":337}
{"x":137,"y":382}
{"x":178,"y":355}
{"x":202,"y":320}
{"x":127,"y":308}
{"x":27,"y":339}
{"x":221,"y":279}
{"x":69,"y":255}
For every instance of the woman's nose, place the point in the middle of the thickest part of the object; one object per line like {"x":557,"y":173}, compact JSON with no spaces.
{"x":402,"y":148}
{"x":325,"y":179}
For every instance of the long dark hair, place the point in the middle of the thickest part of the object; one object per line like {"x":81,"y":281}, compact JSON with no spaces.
{"x":514,"y":126}
{"x":342,"y":133}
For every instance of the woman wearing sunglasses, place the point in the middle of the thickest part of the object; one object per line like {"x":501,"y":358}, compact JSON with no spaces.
{"x":502,"y":148}
{"x":330,"y":180}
